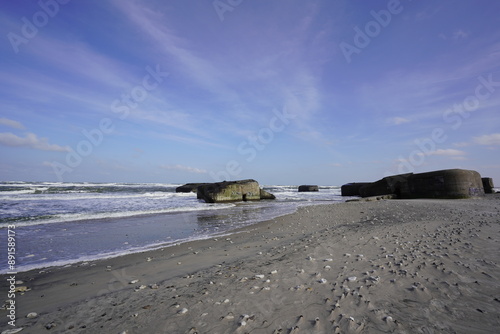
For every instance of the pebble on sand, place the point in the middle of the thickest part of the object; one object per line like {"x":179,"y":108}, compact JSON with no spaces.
{"x":183,"y":311}
{"x":32,"y":315}
{"x":13,"y":330}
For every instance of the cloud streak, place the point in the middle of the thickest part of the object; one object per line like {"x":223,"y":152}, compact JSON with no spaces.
{"x":30,"y":141}
{"x":398,"y":120}
{"x":11,"y":123}
{"x":492,"y":139}
{"x":184,"y":169}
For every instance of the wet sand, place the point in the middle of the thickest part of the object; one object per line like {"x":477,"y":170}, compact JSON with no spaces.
{"x":402,"y":266}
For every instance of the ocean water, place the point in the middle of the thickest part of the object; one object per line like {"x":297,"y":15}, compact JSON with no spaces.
{"x":64,"y":223}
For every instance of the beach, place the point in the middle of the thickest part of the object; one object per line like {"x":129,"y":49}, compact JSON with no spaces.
{"x":386,"y":266}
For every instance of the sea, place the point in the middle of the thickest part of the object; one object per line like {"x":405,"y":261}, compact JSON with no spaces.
{"x":58,"y":224}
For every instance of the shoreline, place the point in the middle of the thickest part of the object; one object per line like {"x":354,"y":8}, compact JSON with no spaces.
{"x":314,"y":269}
{"x":50,"y":245}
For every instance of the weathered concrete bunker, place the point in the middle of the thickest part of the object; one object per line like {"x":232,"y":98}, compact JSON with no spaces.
{"x":451,"y":183}
{"x":488,"y":185}
{"x":308,"y":188}
{"x":231,"y":191}
{"x":388,"y":185}
{"x":352,"y":189}
{"x":448,"y":183}
{"x":188,"y":188}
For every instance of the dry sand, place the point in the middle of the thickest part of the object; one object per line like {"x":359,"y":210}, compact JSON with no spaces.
{"x":390,"y":266}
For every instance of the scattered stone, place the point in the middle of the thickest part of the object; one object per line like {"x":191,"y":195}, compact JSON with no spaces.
{"x":13,"y":330}
{"x":32,"y":315}
{"x":183,"y":311}
{"x":50,"y":325}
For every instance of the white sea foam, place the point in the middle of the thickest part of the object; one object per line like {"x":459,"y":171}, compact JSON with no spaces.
{"x":108,"y":215}
{"x":76,"y":195}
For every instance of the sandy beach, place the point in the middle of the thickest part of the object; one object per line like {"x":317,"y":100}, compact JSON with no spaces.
{"x":387,"y":266}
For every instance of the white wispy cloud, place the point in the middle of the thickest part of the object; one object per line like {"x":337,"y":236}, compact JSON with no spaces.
{"x":11,"y":123}
{"x":153,"y":26}
{"x":491,"y":139}
{"x":460,"y":34}
{"x":461,"y":144}
{"x":184,"y":169}
{"x":271,"y":77}
{"x":450,"y":153}
{"x":82,"y":61}
{"x":31,"y":141}
{"x":427,"y":94}
{"x":456,"y":35}
{"x":398,"y":120}
{"x":428,"y":13}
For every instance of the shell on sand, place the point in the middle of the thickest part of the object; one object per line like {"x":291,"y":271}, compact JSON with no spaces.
{"x":32,"y":315}
{"x":13,"y":330}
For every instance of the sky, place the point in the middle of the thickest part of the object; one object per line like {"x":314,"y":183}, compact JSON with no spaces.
{"x":284,"y":92}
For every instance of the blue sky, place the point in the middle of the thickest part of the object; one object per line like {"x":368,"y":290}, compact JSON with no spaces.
{"x":286,"y":92}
